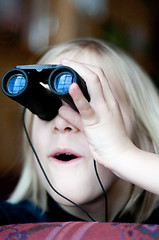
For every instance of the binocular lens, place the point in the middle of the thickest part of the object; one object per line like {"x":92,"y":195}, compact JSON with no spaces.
{"x":16,"y":84}
{"x":62,"y":82}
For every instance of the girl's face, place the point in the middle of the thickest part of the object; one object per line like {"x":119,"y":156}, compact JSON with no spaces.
{"x":64,"y":151}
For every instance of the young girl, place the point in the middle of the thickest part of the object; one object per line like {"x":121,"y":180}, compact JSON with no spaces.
{"x":118,"y":129}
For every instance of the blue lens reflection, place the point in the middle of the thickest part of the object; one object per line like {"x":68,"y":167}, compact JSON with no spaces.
{"x":63,"y":82}
{"x":16,"y":83}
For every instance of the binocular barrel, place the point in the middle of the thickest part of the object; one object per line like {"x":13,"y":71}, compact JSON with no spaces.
{"x":25,"y":85}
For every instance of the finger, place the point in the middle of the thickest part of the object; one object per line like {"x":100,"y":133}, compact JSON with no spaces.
{"x":99,"y":71}
{"x":71,"y":116}
{"x":86,"y":111}
{"x":107,"y":91}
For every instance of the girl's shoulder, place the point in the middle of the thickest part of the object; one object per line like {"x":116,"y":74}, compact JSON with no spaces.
{"x":154,"y":218}
{"x":23,"y":212}
{"x":129,"y":218}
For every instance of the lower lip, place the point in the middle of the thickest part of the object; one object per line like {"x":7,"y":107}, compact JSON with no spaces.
{"x":66,"y":162}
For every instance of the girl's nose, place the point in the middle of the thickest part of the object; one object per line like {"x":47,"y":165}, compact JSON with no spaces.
{"x":62,"y":126}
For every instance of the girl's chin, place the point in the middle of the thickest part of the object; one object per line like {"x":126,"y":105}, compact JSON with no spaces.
{"x":68,"y":197}
{"x":70,"y":202}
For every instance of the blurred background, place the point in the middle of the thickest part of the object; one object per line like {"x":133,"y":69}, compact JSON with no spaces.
{"x":29,"y":27}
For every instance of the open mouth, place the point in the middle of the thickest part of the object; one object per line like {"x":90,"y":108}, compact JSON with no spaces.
{"x":65,"y":157}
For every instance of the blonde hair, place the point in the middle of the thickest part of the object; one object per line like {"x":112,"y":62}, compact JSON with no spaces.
{"x":144,"y":101}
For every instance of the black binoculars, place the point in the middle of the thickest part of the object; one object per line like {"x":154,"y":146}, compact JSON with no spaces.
{"x":26,"y":85}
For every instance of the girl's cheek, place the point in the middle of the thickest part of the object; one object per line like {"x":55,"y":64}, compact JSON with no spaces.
{"x":37,"y":129}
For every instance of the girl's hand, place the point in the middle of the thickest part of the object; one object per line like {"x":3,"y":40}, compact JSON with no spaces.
{"x":100,"y":119}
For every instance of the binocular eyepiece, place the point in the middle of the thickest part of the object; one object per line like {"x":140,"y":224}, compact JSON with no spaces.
{"x":25,"y":84}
